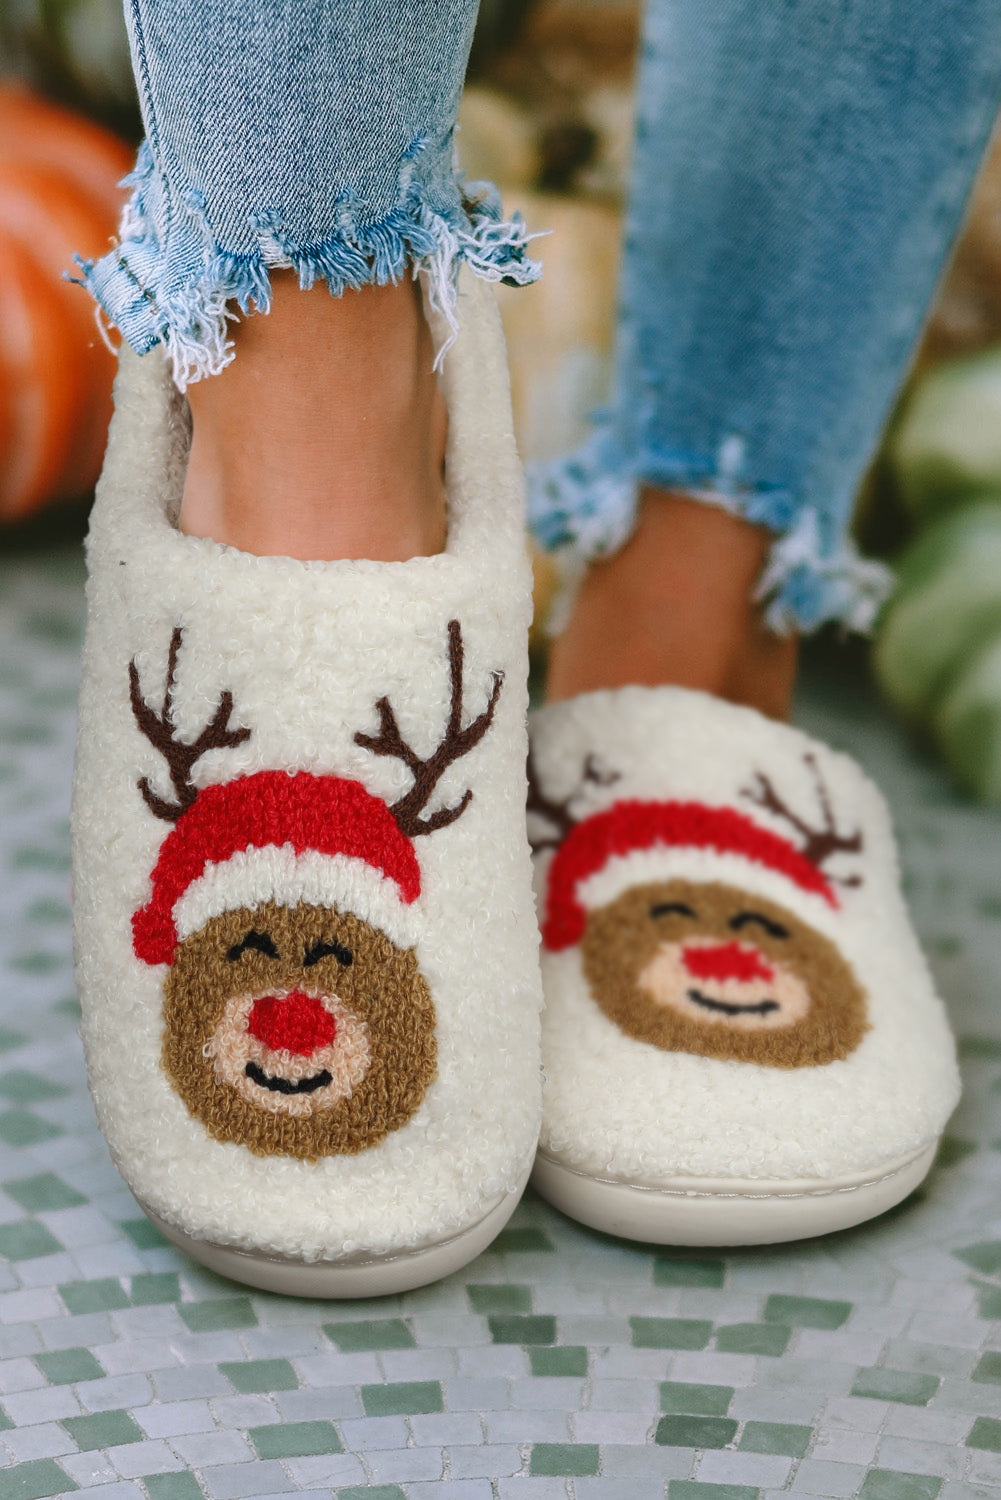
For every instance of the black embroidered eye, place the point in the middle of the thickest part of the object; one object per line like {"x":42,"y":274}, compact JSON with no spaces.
{"x":320,"y":949}
{"x":666,"y":908}
{"x":256,"y":940}
{"x":775,"y":929}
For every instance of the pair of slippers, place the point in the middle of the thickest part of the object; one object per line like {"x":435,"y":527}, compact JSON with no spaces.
{"x":306,"y":937}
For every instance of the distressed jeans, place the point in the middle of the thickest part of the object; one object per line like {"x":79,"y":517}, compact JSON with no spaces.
{"x":800,"y":170}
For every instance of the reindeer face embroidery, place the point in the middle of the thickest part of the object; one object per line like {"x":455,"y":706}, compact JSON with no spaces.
{"x":298,"y":1030}
{"x":290,"y":1027}
{"x":708,"y":968}
{"x":703,"y":966}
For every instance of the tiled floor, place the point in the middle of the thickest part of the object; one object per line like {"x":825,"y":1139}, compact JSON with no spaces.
{"x":561,"y":1363}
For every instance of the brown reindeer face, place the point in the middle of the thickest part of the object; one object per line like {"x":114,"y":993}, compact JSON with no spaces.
{"x":298,"y":1031}
{"x":295,"y":1030}
{"x":711,"y":969}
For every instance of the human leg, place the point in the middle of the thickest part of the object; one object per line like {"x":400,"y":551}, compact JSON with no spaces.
{"x":798,"y":178}
{"x":304,"y":929}
{"x":741,"y":1040}
{"x":316,"y":149}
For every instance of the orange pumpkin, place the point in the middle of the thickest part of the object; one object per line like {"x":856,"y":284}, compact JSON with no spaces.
{"x":58,"y":196}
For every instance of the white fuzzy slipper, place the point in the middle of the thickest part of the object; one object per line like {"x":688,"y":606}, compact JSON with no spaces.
{"x":741,"y":1041}
{"x":306,"y":946}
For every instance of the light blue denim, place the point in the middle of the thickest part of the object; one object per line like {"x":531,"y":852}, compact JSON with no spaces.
{"x":800,"y":170}
{"x":315,"y":134}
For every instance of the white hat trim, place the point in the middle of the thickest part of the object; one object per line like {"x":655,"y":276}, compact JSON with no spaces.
{"x":276,"y":873}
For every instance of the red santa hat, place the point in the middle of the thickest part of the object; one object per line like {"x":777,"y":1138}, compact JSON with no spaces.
{"x":630,"y":826}
{"x":309,"y":825}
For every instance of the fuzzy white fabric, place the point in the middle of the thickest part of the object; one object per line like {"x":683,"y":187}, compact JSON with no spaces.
{"x":619,"y":1108}
{"x":276,"y":873}
{"x":306,"y":650}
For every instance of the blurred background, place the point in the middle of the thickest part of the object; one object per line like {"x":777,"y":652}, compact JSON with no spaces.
{"x":546,"y":115}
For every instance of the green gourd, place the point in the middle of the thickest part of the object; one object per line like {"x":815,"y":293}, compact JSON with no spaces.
{"x":946,"y":444}
{"x":938,"y":646}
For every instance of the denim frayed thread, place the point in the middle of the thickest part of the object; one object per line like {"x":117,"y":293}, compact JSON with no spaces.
{"x":584,"y":507}
{"x":418,"y":235}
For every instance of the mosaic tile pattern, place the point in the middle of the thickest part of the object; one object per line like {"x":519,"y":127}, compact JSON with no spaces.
{"x":562,"y":1363}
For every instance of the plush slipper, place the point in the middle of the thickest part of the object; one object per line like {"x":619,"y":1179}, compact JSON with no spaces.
{"x":741,"y":1041}
{"x":305,"y":936}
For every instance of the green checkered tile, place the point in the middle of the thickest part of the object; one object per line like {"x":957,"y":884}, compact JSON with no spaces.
{"x":558,"y":1360}
{"x":699,"y":1400}
{"x":26,"y":1239}
{"x":143,"y":1234}
{"x":985,"y":1433}
{"x":104,"y":1429}
{"x":892,"y":1484}
{"x":509,"y":1328}
{"x":67,"y":1366}
{"x":9,"y":1039}
{"x":989,"y":1301}
{"x":48,"y":909}
{"x":573,"y":1460}
{"x":753,"y":1338}
{"x":988,"y":1369}
{"x":154,"y":1287}
{"x":218,"y":1313}
{"x":784,"y":1438}
{"x":45,"y":1191}
{"x":695,"y":1432}
{"x":37,"y":1480}
{"x":5,"y":1422}
{"x":516,"y":1238}
{"x":54,"y":628}
{"x":22,"y":1087}
{"x":179,"y":1486}
{"x":806,"y":1312}
{"x":952,"y":1150}
{"x":907,"y":1386}
{"x":295,"y":1439}
{"x":984,"y":1256}
{"x":405,"y":1398}
{"x":691,"y":1489}
{"x":35,"y":857}
{"x":670,"y":1333}
{"x":986,"y":1047}
{"x":370,"y":1333}
{"x":371,"y":1492}
{"x":103,"y":1295}
{"x":37,"y":961}
{"x":19,"y":1127}
{"x":500,"y":1298}
{"x":254,"y":1375}
{"x":677,"y":1270}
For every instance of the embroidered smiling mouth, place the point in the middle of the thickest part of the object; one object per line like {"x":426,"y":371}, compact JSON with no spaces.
{"x":282,"y":1085}
{"x":726,"y":1008}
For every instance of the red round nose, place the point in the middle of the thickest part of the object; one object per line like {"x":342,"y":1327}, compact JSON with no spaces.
{"x":296,"y":1023}
{"x":722,"y":961}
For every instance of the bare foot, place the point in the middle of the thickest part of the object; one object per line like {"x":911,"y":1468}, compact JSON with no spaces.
{"x":325,"y":436}
{"x":674,"y":605}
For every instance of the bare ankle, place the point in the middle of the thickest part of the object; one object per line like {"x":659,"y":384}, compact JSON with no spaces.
{"x":325,"y":436}
{"x":675,"y":606}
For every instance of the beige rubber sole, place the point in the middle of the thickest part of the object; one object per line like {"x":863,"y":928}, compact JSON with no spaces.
{"x":375,"y":1276}
{"x":706,"y":1211}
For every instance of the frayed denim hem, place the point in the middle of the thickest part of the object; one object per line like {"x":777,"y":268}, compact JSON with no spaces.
{"x":192,"y":319}
{"x":584,"y":507}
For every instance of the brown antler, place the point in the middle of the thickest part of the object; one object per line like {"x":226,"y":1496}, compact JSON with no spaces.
{"x":558,"y":813}
{"x":159,"y":730}
{"x":427,"y":772}
{"x":818,"y":843}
